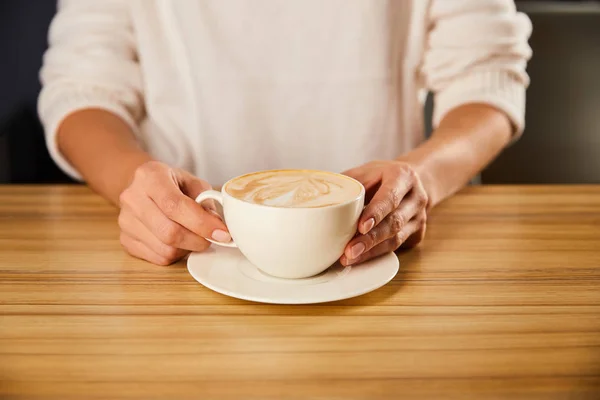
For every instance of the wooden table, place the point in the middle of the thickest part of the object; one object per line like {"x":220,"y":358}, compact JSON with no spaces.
{"x":503,"y":300}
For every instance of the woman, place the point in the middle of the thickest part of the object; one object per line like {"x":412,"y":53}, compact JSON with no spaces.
{"x":141,"y":97}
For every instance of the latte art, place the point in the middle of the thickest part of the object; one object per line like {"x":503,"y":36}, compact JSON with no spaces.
{"x":294,"y":188}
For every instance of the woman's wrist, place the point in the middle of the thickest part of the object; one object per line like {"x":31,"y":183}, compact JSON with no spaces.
{"x":103,"y":149}
{"x":119,"y":177}
{"x":424,"y":174}
{"x":468,"y":138}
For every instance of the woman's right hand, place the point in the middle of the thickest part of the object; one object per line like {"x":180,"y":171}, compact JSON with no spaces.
{"x":160,"y":221}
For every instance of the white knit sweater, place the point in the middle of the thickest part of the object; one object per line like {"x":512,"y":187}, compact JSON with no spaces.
{"x":224,"y":87}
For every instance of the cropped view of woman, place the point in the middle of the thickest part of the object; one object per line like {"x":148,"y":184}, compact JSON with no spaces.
{"x":152,"y":102}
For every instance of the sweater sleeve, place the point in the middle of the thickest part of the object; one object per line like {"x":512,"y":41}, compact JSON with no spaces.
{"x":91,"y":62}
{"x":477,"y":51}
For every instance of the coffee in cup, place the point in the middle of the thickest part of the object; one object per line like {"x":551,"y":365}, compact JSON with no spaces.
{"x":294,"y":188}
{"x":290,"y":223}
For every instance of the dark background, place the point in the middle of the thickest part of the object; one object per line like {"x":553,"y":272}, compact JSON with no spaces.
{"x":23,"y":33}
{"x":561,"y":143}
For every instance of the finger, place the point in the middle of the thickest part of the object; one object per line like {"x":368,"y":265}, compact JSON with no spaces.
{"x":391,"y":225}
{"x":358,"y":173}
{"x":414,"y":239}
{"x":383,"y":248}
{"x":391,"y":244}
{"x":386,"y":199}
{"x":192,"y":187}
{"x":180,"y":208}
{"x":139,"y":250}
{"x":189,"y":184}
{"x":135,"y":228}
{"x":170,"y":232}
{"x":165,"y":230}
{"x":420,"y":195}
{"x":369,"y":178}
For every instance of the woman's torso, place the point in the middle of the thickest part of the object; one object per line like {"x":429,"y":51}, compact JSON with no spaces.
{"x":238,"y":86}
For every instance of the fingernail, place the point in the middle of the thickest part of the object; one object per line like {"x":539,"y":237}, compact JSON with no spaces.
{"x":368,"y":225}
{"x":221,"y":236}
{"x":357,"y":250}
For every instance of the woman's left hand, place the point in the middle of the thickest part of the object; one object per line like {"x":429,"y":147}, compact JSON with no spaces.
{"x":396,"y":212}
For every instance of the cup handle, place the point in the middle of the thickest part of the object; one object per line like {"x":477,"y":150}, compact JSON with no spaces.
{"x":218,"y":197}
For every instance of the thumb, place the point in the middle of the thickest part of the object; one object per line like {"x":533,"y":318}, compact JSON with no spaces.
{"x":192,"y":186}
{"x":189,"y":184}
{"x":357,"y":173}
{"x":370,"y":179}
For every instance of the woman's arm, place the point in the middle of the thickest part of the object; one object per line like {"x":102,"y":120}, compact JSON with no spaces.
{"x":475,"y":65}
{"x":102,"y":148}
{"x":91,"y":105}
{"x":467,"y":139}
{"x":91,"y":101}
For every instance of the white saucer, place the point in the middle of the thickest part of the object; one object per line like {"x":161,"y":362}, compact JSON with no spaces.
{"x":226,"y":271}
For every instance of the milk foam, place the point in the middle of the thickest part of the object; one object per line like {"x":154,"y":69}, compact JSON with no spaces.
{"x":294,"y":188}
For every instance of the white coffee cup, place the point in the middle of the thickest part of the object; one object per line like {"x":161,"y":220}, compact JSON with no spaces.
{"x":296,"y":242}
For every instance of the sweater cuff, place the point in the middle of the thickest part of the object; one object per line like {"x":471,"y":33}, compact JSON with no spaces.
{"x":53,"y":111}
{"x":499,"y":89}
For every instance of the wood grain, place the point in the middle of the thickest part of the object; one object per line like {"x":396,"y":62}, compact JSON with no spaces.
{"x":501,"y":301}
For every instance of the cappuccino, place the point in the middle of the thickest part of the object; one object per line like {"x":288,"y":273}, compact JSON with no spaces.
{"x":294,"y":188}
{"x":281,"y":222}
